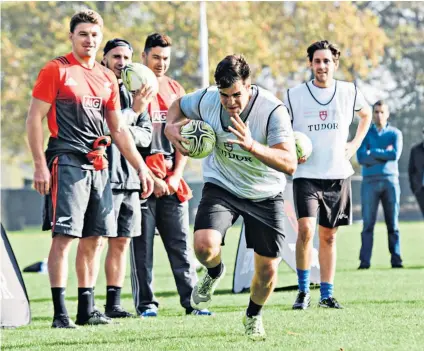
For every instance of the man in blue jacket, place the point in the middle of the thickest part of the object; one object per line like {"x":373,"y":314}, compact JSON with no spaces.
{"x":379,"y":155}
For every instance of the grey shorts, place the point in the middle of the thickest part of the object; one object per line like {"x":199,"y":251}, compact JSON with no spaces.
{"x":79,"y":203}
{"x":329,"y":199}
{"x":127,"y":208}
{"x":264,"y":220}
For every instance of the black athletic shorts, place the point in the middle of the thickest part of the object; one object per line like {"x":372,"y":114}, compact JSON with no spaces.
{"x":80,"y":201}
{"x":330,"y":199}
{"x":126,"y":205}
{"x":219,"y":209}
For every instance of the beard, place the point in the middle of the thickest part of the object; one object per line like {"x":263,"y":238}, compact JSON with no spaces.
{"x":317,"y":78}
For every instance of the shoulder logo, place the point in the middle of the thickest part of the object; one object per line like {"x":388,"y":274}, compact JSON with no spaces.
{"x":92,"y":102}
{"x":107,"y":86}
{"x":70,"y":82}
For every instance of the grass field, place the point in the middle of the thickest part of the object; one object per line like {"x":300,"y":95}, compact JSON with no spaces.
{"x":384,"y":308}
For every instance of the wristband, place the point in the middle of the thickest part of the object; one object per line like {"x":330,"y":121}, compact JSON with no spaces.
{"x":251,"y":146}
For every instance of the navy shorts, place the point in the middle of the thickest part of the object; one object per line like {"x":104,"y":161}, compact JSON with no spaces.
{"x":219,"y":209}
{"x":329,"y":199}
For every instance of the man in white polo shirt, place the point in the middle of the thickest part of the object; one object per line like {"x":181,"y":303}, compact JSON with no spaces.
{"x":244,"y":176}
{"x":323,"y":109}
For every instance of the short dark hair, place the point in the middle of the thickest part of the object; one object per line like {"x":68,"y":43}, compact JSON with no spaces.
{"x":85,"y":16}
{"x":379,"y":103}
{"x":231,"y":69}
{"x":157,"y":39}
{"x":323,"y":45}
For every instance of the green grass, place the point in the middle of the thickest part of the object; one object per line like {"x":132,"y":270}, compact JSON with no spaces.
{"x":384,"y":308}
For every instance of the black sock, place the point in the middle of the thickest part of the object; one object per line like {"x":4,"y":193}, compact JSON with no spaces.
{"x":253,"y":309}
{"x":214,"y":272}
{"x":58,"y":296}
{"x":113,"y":296}
{"x":85,"y":302}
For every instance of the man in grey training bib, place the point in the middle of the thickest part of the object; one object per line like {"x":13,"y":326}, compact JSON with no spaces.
{"x":243,"y":177}
{"x":323,"y":109}
{"x":117,"y":53}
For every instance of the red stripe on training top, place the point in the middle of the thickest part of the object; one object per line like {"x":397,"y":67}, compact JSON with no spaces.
{"x":54,"y":189}
{"x":52,"y":121}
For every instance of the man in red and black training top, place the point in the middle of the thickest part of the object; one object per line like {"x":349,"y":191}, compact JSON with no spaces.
{"x":167,"y":208}
{"x":77,"y":95}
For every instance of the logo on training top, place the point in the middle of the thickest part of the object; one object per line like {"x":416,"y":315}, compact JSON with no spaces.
{"x":172,"y":98}
{"x":92,"y":102}
{"x":233,"y":156}
{"x":107,"y":86}
{"x":323,"y":126}
{"x":159,"y":116}
{"x":323,"y":115}
{"x":70,"y":82}
{"x":229,"y":147}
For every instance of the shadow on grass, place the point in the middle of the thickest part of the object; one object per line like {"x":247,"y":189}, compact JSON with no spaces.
{"x":405,"y":268}
{"x":103,"y":297}
{"x":170,"y":294}
{"x":414,"y":267}
{"x":41,"y":319}
{"x":386,"y":302}
{"x":150,"y":338}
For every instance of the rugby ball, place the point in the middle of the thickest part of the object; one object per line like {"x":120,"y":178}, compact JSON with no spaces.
{"x":134,"y":75}
{"x":303,"y":145}
{"x":201,"y":138}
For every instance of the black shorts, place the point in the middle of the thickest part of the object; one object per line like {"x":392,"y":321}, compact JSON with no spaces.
{"x":79,"y":203}
{"x":219,"y":209}
{"x":126,"y":205}
{"x":330,"y":199}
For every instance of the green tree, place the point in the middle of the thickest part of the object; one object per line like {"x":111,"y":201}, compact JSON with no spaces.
{"x":400,"y":75}
{"x":273,"y":34}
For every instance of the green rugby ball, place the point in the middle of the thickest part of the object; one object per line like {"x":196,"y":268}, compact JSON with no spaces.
{"x":134,"y":75}
{"x":201,"y":138}
{"x":303,"y":145}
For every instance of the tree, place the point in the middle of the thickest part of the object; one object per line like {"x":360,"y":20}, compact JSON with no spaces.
{"x":272,"y":34}
{"x":400,"y":75}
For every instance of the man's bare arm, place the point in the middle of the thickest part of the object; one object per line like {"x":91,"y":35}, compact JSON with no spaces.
{"x":363,"y":126}
{"x":174,"y":121}
{"x":38,"y":110}
{"x":281,"y":157}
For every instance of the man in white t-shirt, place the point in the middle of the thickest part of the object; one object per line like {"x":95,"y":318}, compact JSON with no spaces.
{"x":323,"y":109}
{"x":243,"y":177}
